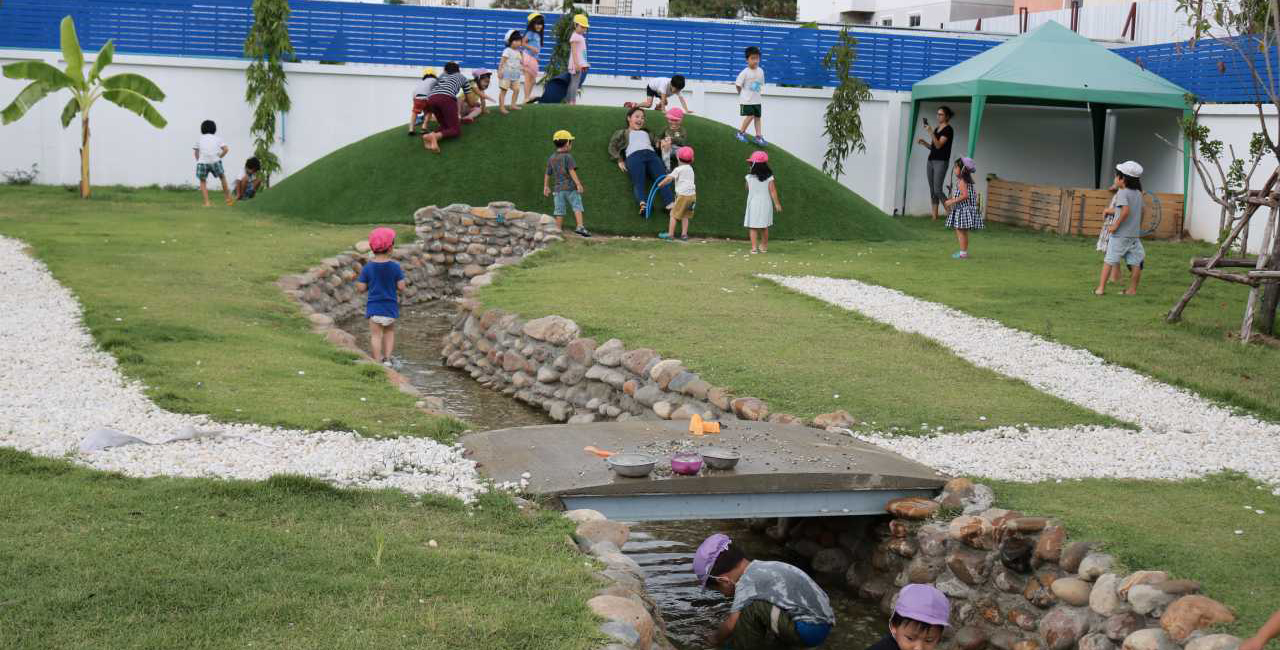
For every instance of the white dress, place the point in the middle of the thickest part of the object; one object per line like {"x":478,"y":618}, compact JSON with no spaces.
{"x":759,"y":203}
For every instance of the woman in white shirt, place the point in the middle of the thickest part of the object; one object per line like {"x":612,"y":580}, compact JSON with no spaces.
{"x":636,"y":152}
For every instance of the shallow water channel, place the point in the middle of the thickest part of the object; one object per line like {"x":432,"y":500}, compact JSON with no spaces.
{"x":663,"y":549}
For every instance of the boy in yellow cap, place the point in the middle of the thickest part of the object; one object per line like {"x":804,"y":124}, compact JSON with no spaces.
{"x":420,"y":93}
{"x":578,"y":65}
{"x":561,"y":181}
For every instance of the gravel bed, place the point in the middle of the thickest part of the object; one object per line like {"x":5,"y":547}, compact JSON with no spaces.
{"x":56,"y":387}
{"x":1181,"y":434}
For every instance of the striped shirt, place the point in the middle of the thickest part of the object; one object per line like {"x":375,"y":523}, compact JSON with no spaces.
{"x":450,"y":85}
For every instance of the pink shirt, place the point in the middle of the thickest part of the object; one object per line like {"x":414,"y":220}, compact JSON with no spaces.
{"x":577,"y":53}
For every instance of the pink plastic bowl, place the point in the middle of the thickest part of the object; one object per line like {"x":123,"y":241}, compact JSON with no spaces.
{"x":687,"y":464}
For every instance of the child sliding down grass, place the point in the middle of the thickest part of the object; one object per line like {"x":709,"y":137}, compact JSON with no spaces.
{"x":686,"y":194}
{"x":383,"y":279}
{"x":1123,"y":241}
{"x":563,"y":171}
{"x":762,"y":201}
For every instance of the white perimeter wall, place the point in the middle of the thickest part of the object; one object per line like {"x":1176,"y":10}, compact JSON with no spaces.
{"x":336,"y":105}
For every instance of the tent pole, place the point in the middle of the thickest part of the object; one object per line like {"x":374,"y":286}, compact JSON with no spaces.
{"x":910,"y":131}
{"x":1187,"y":115}
{"x":979,"y":102}
{"x":1099,"y":115}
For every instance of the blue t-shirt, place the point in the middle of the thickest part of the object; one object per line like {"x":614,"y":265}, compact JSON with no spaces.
{"x":381,"y":278}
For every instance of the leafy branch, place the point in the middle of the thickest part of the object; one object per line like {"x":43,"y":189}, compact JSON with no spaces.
{"x":843,"y":119}
{"x":268,"y":45}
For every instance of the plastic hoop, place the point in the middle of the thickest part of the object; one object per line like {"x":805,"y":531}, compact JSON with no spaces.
{"x":1156,"y":216}
{"x":648,"y":204}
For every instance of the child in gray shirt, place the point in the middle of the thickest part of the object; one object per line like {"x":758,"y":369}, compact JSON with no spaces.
{"x":1124,"y":243}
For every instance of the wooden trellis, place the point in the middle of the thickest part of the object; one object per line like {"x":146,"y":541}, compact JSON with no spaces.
{"x":1261,"y":275}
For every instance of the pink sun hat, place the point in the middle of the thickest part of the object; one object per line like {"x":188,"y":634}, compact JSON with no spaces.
{"x":685,"y":154}
{"x":705,"y":557}
{"x":675,"y":113}
{"x":758,"y":157}
{"x":382,"y":239}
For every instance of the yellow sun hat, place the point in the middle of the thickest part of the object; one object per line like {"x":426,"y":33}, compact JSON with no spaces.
{"x":581,"y":19}
{"x":562,"y":135}
{"x":532,"y":16}
{"x":428,"y":70}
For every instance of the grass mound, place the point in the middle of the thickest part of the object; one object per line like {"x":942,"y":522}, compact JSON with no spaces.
{"x":387,"y":176}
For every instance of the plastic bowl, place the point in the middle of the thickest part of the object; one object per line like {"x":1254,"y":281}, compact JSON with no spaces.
{"x":687,"y":464}
{"x":720,"y":458}
{"x":631,"y":465}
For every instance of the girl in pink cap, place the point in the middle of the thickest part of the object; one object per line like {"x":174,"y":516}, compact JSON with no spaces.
{"x":382,"y":278}
{"x":919,"y":615}
{"x":775,"y":605}
{"x":762,"y":201}
{"x":673,"y":138}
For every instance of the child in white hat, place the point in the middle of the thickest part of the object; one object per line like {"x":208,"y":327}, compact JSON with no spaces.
{"x":1124,"y":243}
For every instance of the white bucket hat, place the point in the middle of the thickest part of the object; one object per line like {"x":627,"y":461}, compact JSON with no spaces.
{"x":1130,"y":168}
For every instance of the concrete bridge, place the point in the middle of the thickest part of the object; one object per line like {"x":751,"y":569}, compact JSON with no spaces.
{"x":785,"y":471}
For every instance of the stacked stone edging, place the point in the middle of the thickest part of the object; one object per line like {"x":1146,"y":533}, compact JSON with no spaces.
{"x":1015,"y":582}
{"x":632,"y":620}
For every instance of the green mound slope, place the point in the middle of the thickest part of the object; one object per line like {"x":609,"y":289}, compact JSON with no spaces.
{"x":387,"y":176}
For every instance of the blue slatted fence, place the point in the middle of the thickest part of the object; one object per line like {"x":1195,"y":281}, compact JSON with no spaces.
{"x":1211,"y":70}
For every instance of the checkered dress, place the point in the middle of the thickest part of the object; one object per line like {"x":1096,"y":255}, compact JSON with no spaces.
{"x":965,"y":214}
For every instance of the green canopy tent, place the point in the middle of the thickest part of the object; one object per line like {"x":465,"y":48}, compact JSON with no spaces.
{"x":1049,"y":66}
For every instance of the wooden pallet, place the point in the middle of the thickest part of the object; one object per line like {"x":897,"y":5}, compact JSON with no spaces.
{"x":1071,"y":211}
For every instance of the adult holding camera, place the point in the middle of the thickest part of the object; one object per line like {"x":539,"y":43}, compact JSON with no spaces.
{"x":939,"y":144}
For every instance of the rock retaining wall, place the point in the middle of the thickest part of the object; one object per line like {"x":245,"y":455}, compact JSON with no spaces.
{"x":1015,"y":582}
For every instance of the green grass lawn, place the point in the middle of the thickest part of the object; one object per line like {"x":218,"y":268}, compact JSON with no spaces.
{"x":700,"y":302}
{"x":90,"y":559}
{"x":1187,"y":528}
{"x":183,"y":296}
{"x":387,"y":176}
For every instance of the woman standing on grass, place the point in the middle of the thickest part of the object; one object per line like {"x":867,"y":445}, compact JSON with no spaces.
{"x":636,"y":152}
{"x":963,"y":206}
{"x":939,"y":145}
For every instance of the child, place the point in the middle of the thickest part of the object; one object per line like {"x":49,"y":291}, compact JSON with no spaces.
{"x":919,"y":615}
{"x":1123,"y":243}
{"x":511,"y":71}
{"x":963,"y":206}
{"x":750,"y":83}
{"x":762,"y":201}
{"x":578,"y":65}
{"x":673,"y":138}
{"x":1103,"y":234}
{"x":662,"y":88}
{"x":382,"y":278}
{"x":774,"y":604}
{"x":533,"y":35}
{"x":209,"y":151}
{"x":1268,"y":631}
{"x":443,"y":104}
{"x":568,"y":187}
{"x":686,"y":195}
{"x":248,"y":185}
{"x":475,"y":101}
{"x":420,"y":93}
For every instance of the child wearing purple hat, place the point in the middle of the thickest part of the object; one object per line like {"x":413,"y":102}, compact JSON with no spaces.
{"x":775,"y":605}
{"x":919,"y":616}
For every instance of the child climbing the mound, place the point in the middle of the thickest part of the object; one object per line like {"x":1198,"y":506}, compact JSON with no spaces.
{"x":209,"y":151}
{"x":762,"y":201}
{"x":686,"y":195}
{"x":673,"y":138}
{"x":382,"y":278}
{"x":511,"y":72}
{"x":750,"y":83}
{"x":919,"y":616}
{"x":1123,"y":241}
{"x":775,"y":605}
{"x":248,"y":185}
{"x":475,"y":102}
{"x":963,"y":206}
{"x":567,"y":188}
{"x":662,"y":89}
{"x":420,"y":92}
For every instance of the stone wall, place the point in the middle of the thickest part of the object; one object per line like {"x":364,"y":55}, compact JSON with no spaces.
{"x":1015,"y":582}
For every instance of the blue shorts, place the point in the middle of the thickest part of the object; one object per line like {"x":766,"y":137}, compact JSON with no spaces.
{"x":1128,"y":249}
{"x":204,"y":169}
{"x":567,"y":200}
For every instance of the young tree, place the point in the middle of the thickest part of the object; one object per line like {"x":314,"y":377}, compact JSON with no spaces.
{"x":559,"y":63}
{"x":268,"y":46}
{"x":129,"y":91}
{"x":843,"y":117}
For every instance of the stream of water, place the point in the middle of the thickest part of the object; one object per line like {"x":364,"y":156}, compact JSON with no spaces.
{"x":664,"y":550}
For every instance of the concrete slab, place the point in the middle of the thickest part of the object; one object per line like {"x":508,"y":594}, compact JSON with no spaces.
{"x":786,"y":470}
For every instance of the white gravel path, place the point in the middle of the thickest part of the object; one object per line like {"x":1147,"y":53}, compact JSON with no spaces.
{"x":1182,"y":435}
{"x":56,"y":387}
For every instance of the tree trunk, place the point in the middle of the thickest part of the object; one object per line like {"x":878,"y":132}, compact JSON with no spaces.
{"x":84,"y":155}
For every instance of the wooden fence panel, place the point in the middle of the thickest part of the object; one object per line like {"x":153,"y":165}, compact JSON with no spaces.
{"x":1073,"y":211}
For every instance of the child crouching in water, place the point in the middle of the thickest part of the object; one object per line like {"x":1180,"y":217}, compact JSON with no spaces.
{"x":1123,"y":241}
{"x":686,"y":194}
{"x":775,"y":605}
{"x":762,"y":201}
{"x":919,"y":616}
{"x":382,"y":278}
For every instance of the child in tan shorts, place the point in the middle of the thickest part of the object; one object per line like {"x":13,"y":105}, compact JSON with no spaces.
{"x":686,"y":194}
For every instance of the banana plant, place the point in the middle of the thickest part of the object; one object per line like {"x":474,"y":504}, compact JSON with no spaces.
{"x":131,"y":92}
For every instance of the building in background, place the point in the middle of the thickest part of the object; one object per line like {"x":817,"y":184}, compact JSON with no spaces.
{"x":927,"y":14}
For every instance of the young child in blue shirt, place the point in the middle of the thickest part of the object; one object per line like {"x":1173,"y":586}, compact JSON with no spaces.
{"x":382,"y":278}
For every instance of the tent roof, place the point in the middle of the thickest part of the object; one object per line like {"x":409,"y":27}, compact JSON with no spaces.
{"x":1052,"y":64}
